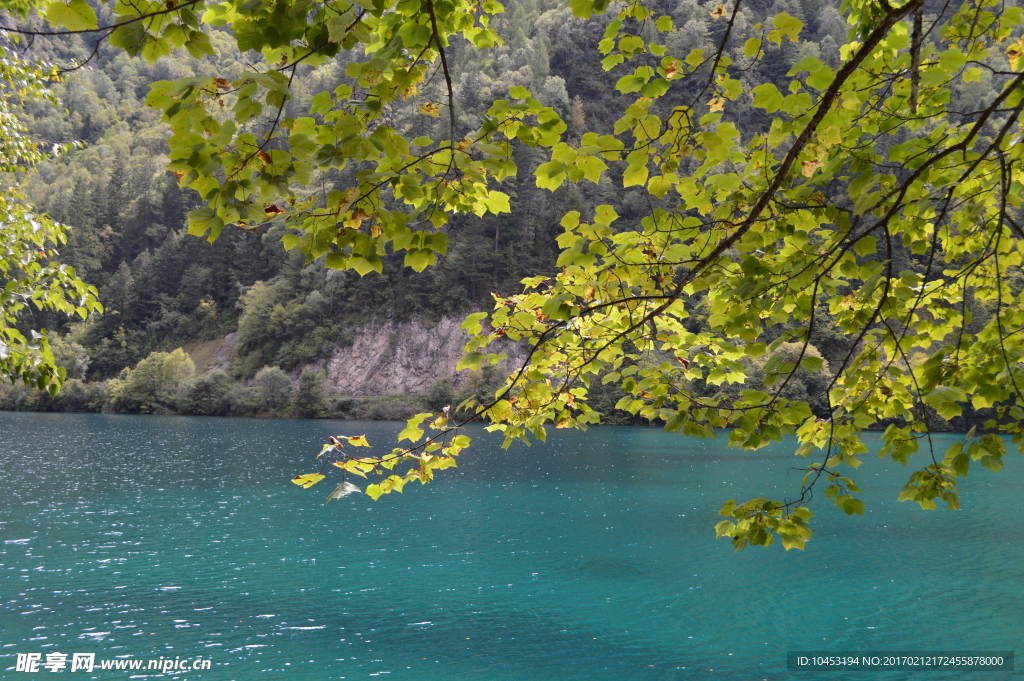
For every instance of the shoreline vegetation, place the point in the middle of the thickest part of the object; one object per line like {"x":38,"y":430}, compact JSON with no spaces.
{"x":168,"y":383}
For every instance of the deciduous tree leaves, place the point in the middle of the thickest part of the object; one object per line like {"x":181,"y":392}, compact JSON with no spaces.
{"x":308,"y":480}
{"x":75,"y":15}
{"x":31,"y":275}
{"x":418,"y":462}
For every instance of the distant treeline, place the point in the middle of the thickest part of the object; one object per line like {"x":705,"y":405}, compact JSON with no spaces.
{"x":167,"y":383}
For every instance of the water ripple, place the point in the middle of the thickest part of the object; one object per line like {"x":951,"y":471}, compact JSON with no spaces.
{"x":590,"y":557}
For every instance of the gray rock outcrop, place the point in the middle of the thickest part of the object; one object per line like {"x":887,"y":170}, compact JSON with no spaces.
{"x":389,"y":358}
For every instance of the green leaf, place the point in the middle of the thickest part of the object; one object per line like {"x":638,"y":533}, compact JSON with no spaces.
{"x":321,"y":103}
{"x":792,"y":542}
{"x":199,"y":45}
{"x":767,"y":97}
{"x":420,"y":258}
{"x":203,"y":221}
{"x":630,"y":83}
{"x":812,"y":364}
{"x":131,"y":37}
{"x":497,"y":202}
{"x":866,"y":246}
{"x":411,"y":434}
{"x":76,"y":15}
{"x":365,"y":265}
{"x":853,"y":506}
{"x":635,"y":175}
{"x":787,"y":25}
{"x":945,"y":399}
{"x":592,"y":168}
{"x":961,"y":464}
{"x":611,"y":61}
{"x":154,"y":48}
{"x":550,"y":175}
{"x":412,"y":431}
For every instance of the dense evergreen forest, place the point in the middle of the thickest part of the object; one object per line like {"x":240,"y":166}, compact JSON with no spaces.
{"x":163,"y":289}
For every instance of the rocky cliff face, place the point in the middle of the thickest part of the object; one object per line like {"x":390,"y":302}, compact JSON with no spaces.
{"x":388,"y":358}
{"x":385,"y":358}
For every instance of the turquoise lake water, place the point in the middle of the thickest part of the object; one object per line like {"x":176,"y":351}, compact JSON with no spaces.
{"x":590,"y":557}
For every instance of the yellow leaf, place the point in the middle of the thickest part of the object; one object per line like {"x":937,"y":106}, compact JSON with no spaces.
{"x":810,"y":167}
{"x":718,"y":12}
{"x":830,"y":136}
{"x":308,"y":480}
{"x":429,"y":109}
{"x":359,"y":441}
{"x":351,"y":466}
{"x":1014,"y":52}
{"x":445,"y":462}
{"x":364,"y":465}
{"x":716,"y":104}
